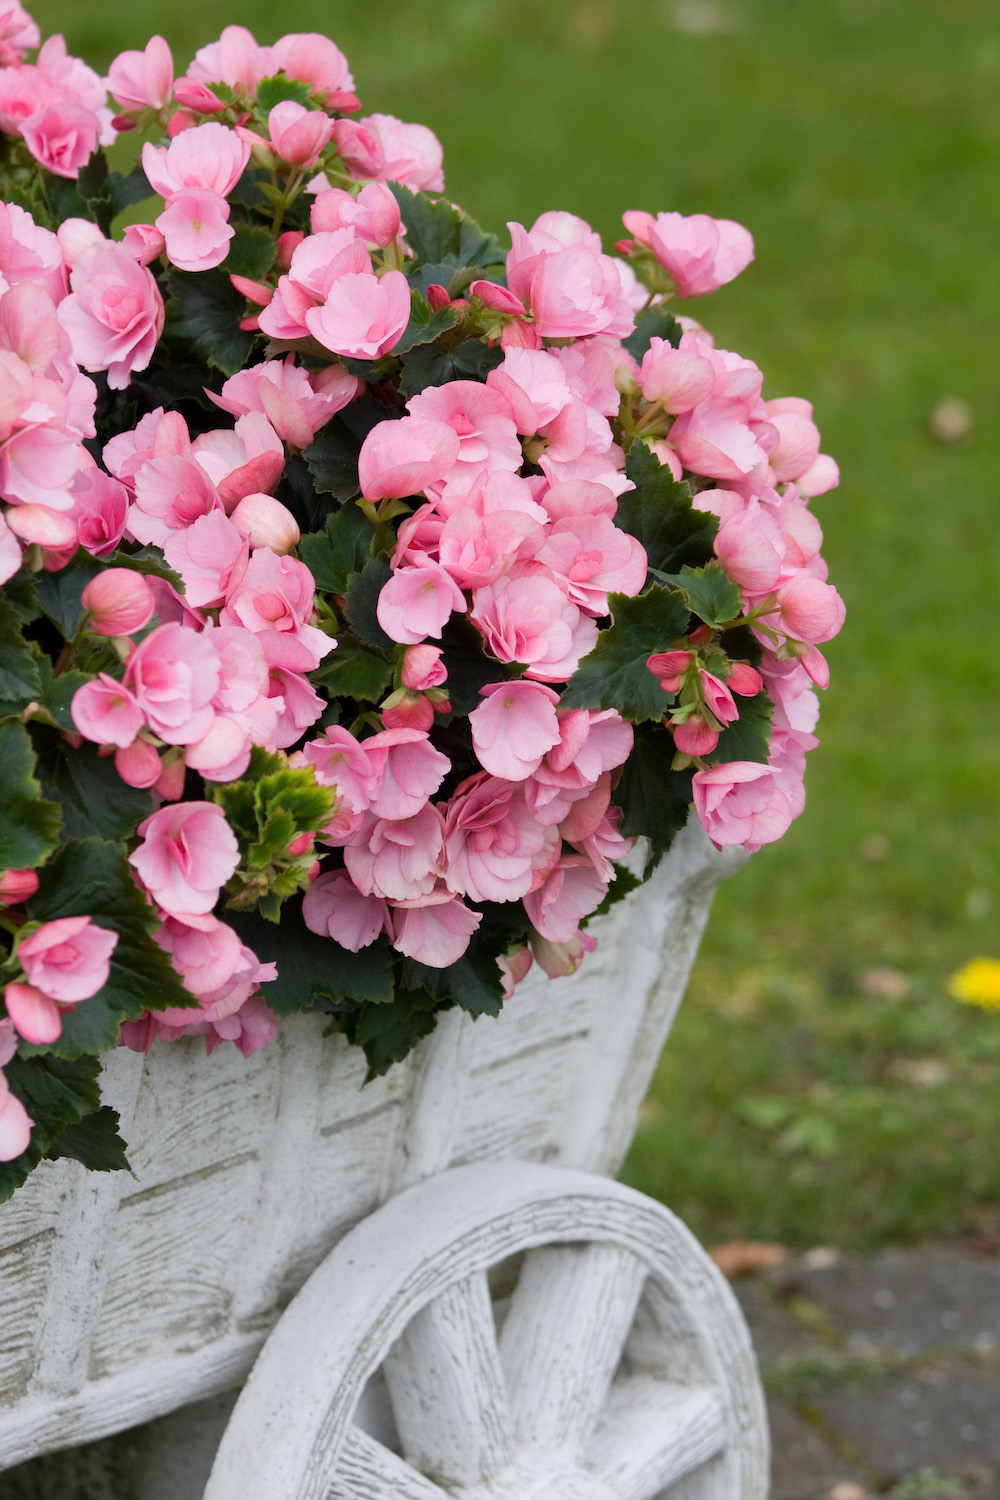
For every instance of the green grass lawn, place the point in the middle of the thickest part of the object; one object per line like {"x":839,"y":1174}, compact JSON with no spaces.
{"x":860,"y":141}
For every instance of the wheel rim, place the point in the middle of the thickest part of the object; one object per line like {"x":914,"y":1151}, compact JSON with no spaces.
{"x":622,"y":1371}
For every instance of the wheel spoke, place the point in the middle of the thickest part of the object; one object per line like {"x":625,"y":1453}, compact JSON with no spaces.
{"x":447,"y":1387}
{"x":653,"y":1432}
{"x":562,"y":1342}
{"x":367,"y":1471}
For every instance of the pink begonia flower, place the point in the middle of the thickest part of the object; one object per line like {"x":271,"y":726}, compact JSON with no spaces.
{"x":223,"y":752}
{"x":423,"y":668}
{"x":750,"y":546}
{"x":670,"y":668}
{"x":317,"y":263}
{"x":187,"y":854}
{"x":339,"y":760}
{"x":195,"y":228}
{"x":245,"y":460}
{"x":497,"y":298}
{"x":396,"y":859}
{"x":789,"y":687}
{"x":114,"y":314}
{"x":143,"y":80}
{"x":403,"y":710}
{"x":100,"y":507}
{"x":334,"y":907}
{"x":296,"y":402}
{"x":436,"y":933}
{"x":363,"y":316}
{"x":210,"y":157}
{"x":38,"y":466}
{"x":798,"y":446}
{"x":311,"y":58}
{"x":68,"y":959}
{"x":495,"y":848}
{"x":411,"y":153}
{"x":602,"y":844}
{"x":514,"y":727}
{"x":275,"y":597}
{"x":77,"y":235}
{"x":251,"y":1027}
{"x":119,"y":602}
{"x":699,"y":252}
{"x":482,"y":421}
{"x":297,"y":134}
{"x":561,"y":959}
{"x":235,"y":59}
{"x":590,"y":556}
{"x":8,"y":1041}
{"x":16,"y":886}
{"x":174,"y":674}
{"x":18,"y":34}
{"x":106,"y":712}
{"x":300,"y":707}
{"x":405,"y":456}
{"x":407,"y":771}
{"x":139,"y":764}
{"x":820,"y":477}
{"x":209,"y":958}
{"x":416,"y":602}
{"x":49,"y":528}
{"x":579,"y":497}
{"x":63,"y":136}
{"x":35,"y":1015}
{"x":513,"y":966}
{"x":211,"y":555}
{"x":572,"y":890}
{"x":15,"y":1123}
{"x":144,"y":243}
{"x":573,"y":291}
{"x":10,"y":552}
{"x":264,"y":522}
{"x":476,"y":549}
{"x":809,"y":610}
{"x":525,"y":617}
{"x":170,"y":493}
{"x":373,"y":214}
{"x":741,"y":802}
{"x":677,"y":378}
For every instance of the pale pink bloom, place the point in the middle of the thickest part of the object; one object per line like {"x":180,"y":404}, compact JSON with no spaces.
{"x":15,"y":1124}
{"x":423,"y":668}
{"x":477,"y":548}
{"x":208,"y":958}
{"x":579,"y":497}
{"x":77,"y":235}
{"x":535,"y":387}
{"x":339,"y":760}
{"x":605,"y":469}
{"x":416,"y":602}
{"x":299,"y":706}
{"x":23,"y":91}
{"x":405,"y":456}
{"x":296,"y":402}
{"x":411,"y":153}
{"x":801,"y":533}
{"x":297,"y":134}
{"x":677,"y":378}
{"x":235,"y":59}
{"x":68,"y":959}
{"x":114,"y":315}
{"x":482,"y":421}
{"x":275,"y":597}
{"x":210,"y":157}
{"x":572,"y":890}
{"x":245,"y":460}
{"x":156,"y":435}
{"x":211,"y":556}
{"x":513,"y":966}
{"x":561,"y":959}
{"x":187,"y":854}
{"x":170,"y":493}
{"x":143,"y":80}
{"x":264,"y":522}
{"x":106,"y":712}
{"x":363,"y":316}
{"x":798,"y":445}
{"x":407,"y":771}
{"x":373,"y":215}
{"x":10,"y":552}
{"x":15,"y":886}
{"x":789,"y":687}
{"x":821,"y":476}
{"x":495,"y":848}
{"x":525,"y":617}
{"x":49,"y":528}
{"x":144,"y":243}
{"x":174,"y":674}
{"x":334,"y":907}
{"x":590,"y":556}
{"x":119,"y":602}
{"x":138,"y":764}
{"x":403,"y":710}
{"x":699,"y":252}
{"x":714,"y":439}
{"x":741,"y":802}
{"x":602,"y":846}
{"x":63,"y":136}
{"x":396,"y":859}
{"x":497,"y":298}
{"x":38,"y":467}
{"x":251,"y":1027}
{"x":749,"y":545}
{"x":572,"y":292}
{"x":18,"y":34}
{"x":71,"y":78}
{"x":809,"y":610}
{"x":317,"y":262}
{"x":35,"y":1015}
{"x":312,"y":58}
{"x":195,"y":228}
{"x":434,"y":933}
{"x":514,"y":727}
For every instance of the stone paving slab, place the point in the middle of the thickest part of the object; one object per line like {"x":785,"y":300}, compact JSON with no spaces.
{"x":804,"y":1467}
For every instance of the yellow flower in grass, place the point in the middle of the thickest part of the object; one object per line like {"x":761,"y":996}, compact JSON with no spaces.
{"x":978,"y":983}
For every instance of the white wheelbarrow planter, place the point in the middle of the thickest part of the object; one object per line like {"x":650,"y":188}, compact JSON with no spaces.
{"x":385,"y":1235}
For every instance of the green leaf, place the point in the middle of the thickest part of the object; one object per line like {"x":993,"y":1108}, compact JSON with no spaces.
{"x":123,"y":192}
{"x":442,"y":236}
{"x":468,"y":666}
{"x":20,"y":679}
{"x":474,"y":982}
{"x":344,"y":549}
{"x":247,"y":192}
{"x":56,"y":1093}
{"x":424,"y":325}
{"x":615,"y":674}
{"x":91,"y":877}
{"x":712,"y":594}
{"x":432,"y":364}
{"x":333,"y":461}
{"x":251,"y":251}
{"x":659,"y":514}
{"x":59,"y":593}
{"x":204,"y":313}
{"x":94,"y":1141}
{"x":362,"y":599}
{"x":652,"y":322}
{"x":310,"y":965}
{"x":58,"y":695}
{"x":29,"y":826}
{"x":747,"y":737}
{"x":654,"y":799}
{"x":353,"y":671}
{"x":277,"y":88}
{"x":388,"y":1032}
{"x":94,"y":799}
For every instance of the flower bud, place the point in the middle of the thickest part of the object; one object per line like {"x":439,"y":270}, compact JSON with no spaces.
{"x":119,"y":600}
{"x":265,"y":522}
{"x":170,"y":782}
{"x":75,"y":236}
{"x":138,"y":764}
{"x":423,"y":668}
{"x":17,"y":886}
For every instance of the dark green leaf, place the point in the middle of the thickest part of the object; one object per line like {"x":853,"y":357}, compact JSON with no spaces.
{"x":204,"y":314}
{"x":149,"y":561}
{"x":251,"y":251}
{"x":653,"y":798}
{"x":432,"y":364}
{"x":94,"y":799}
{"x":310,"y":965}
{"x":354,"y":671}
{"x":441,"y":236}
{"x":56,"y":1093}
{"x":469,"y":668}
{"x":388,"y":1032}
{"x":29,"y":827}
{"x":362,"y":599}
{"x":278,"y":88}
{"x":58,"y":696}
{"x":615,"y":674}
{"x":747,"y":737}
{"x":342,"y":550}
{"x":713,"y":595}
{"x":20,"y":679}
{"x":94,"y":1141}
{"x":247,"y":193}
{"x":474,"y":982}
{"x":59,"y":593}
{"x":91,"y":877}
{"x":123,"y":192}
{"x":659,"y":514}
{"x":333,"y":461}
{"x":653,"y":322}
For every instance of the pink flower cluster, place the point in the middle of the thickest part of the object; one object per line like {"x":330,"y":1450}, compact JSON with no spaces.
{"x":56,"y":105}
{"x":64,"y":962}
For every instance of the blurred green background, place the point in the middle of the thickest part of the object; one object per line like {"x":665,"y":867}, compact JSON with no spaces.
{"x":820,"y":1086}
